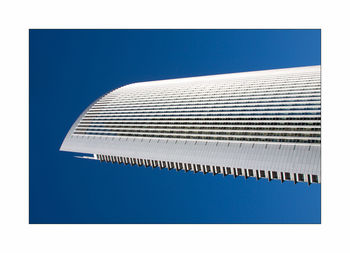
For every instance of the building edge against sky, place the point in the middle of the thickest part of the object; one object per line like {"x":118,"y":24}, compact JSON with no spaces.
{"x":262,"y":124}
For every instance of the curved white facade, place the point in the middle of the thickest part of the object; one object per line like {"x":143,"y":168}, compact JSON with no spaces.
{"x":263,"y":124}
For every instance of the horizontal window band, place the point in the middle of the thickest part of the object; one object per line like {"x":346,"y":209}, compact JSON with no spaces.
{"x":212,"y":119}
{"x":208,"y":114}
{"x":182,"y":123}
{"x":226,"y":131}
{"x":223,"y":138}
{"x":230,"y":88}
{"x":215,"y":94}
{"x":84,"y":127}
{"x":135,"y":102}
{"x":116,"y":113}
{"x":188,"y":103}
{"x":118,"y":132}
{"x":239,"y":97}
{"x":221,"y":92}
{"x":93,"y":109}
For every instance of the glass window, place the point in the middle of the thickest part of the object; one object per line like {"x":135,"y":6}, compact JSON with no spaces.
{"x":274,"y":174}
{"x":250,"y":173}
{"x":300,"y":177}
{"x":262,"y":173}
{"x":287,"y":176}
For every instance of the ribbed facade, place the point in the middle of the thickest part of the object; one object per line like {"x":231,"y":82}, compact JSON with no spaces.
{"x":214,"y":124}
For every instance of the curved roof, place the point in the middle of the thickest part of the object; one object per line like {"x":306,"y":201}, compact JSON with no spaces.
{"x":261,"y":119}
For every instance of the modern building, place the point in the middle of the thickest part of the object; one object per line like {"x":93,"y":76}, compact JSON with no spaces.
{"x":262,"y":124}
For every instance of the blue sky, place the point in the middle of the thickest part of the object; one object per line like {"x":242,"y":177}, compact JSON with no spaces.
{"x":69,"y":69}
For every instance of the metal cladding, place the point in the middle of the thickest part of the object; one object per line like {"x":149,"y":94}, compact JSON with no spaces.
{"x":262,"y":124}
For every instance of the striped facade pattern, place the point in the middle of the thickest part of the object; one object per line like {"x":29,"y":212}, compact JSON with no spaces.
{"x":274,"y":107}
{"x":226,"y":171}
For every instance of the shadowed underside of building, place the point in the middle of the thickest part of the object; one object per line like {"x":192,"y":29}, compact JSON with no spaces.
{"x":262,"y":124}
